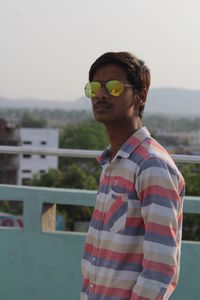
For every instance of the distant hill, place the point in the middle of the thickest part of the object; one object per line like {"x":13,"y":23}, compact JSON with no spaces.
{"x":170,"y":101}
{"x":173,"y":101}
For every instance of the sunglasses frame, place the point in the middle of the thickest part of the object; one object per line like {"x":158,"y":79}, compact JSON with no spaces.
{"x":104,"y":83}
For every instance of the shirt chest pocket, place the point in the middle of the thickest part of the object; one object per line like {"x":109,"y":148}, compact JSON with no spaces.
{"x":116,"y":211}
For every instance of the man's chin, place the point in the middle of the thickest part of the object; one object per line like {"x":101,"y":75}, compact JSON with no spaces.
{"x":101,"y":117}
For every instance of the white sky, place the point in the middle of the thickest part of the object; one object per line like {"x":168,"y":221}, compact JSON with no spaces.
{"x":47,"y":46}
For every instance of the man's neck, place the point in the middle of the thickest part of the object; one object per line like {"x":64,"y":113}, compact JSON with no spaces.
{"x":118,"y":134}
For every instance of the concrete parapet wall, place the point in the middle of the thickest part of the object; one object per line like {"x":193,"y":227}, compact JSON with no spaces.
{"x":39,"y":263}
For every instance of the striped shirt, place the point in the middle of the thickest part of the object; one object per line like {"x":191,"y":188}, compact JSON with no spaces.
{"x":132,"y":250}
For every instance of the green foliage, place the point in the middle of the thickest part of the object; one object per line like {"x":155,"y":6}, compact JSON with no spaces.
{"x":27,"y":120}
{"x":77,"y":173}
{"x":85,"y":135}
{"x":51,"y":179}
{"x":71,"y":177}
{"x":191,"y":173}
{"x":191,"y":222}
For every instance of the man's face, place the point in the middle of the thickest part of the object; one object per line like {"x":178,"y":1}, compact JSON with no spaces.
{"x":108,"y":108}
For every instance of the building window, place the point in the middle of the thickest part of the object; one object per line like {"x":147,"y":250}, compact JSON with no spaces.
{"x":43,"y":142}
{"x":27,"y":142}
{"x":42,"y":172}
{"x":26,"y":155}
{"x":42,"y":156}
{"x":26,"y":171}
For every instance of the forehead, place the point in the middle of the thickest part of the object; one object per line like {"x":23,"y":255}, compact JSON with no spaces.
{"x":108,"y":72}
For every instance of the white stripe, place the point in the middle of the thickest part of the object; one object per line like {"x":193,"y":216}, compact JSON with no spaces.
{"x":159,"y":210}
{"x":128,"y":165}
{"x":118,"y":275}
{"x":159,"y":248}
{"x":148,"y":283}
{"x":84,"y":296}
{"x":115,"y":237}
{"x":120,"y":223}
{"x":157,"y":171}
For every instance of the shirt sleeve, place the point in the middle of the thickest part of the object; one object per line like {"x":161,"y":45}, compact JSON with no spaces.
{"x":160,"y":188}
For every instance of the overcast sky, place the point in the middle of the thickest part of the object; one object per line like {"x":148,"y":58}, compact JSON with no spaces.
{"x":47,"y":46}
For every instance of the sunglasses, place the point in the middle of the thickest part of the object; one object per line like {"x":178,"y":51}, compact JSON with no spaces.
{"x":114,"y":88}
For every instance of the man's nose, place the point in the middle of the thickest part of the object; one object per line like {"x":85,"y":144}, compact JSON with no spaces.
{"x":102,"y":93}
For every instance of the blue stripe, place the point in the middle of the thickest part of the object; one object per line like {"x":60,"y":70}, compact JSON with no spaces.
{"x":120,"y":212}
{"x":133,"y":231}
{"x":96,"y":224}
{"x":182,"y":193}
{"x":161,"y":239}
{"x":160,"y":200}
{"x":133,"y":196}
{"x":85,"y":289}
{"x":104,"y":189}
{"x":136,"y":158}
{"x":156,"y":162}
{"x":128,"y":148}
{"x":157,"y":276}
{"x":119,"y":266}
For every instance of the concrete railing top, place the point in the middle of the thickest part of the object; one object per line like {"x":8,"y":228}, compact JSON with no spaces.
{"x":79,"y":153}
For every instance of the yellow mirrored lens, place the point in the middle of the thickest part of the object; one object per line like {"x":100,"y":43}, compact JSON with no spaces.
{"x":92,"y":88}
{"x":115,"y":87}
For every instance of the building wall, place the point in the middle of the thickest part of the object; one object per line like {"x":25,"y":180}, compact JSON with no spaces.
{"x":32,"y":164}
{"x":8,"y":162}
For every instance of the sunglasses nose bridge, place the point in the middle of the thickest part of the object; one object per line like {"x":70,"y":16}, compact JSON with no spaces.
{"x":102,"y":91}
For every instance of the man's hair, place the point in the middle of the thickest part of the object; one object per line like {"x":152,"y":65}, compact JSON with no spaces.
{"x":138,"y":74}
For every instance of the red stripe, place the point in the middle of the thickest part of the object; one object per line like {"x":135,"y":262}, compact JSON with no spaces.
{"x":133,"y":141}
{"x":122,"y":257}
{"x":135,"y":222}
{"x":113,"y":255}
{"x":160,"y":229}
{"x":156,"y":145}
{"x":112,"y":210}
{"x":136,"y":297}
{"x":98,"y":215}
{"x":158,"y":190}
{"x":88,"y":248}
{"x":159,"y":267}
{"x":85,"y":282}
{"x":142,"y":151}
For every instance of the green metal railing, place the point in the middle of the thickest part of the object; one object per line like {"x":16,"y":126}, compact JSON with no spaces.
{"x":39,"y":263}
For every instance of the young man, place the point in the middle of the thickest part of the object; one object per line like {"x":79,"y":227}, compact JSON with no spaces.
{"x":132,"y":250}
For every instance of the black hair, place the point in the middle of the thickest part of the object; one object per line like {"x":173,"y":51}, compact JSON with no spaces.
{"x":138,"y":74}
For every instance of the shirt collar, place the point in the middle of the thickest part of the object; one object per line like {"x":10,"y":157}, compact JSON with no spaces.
{"x":127,"y":148}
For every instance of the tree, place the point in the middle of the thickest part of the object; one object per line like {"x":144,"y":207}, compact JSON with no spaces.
{"x":191,"y":222}
{"x":76,"y":173}
{"x":27,"y":120}
{"x":84,"y":135}
{"x":72,"y":177}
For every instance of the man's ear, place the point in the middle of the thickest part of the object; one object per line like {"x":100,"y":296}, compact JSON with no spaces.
{"x":140,"y":98}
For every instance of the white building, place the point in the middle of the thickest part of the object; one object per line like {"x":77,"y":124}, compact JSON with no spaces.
{"x":31,"y":164}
